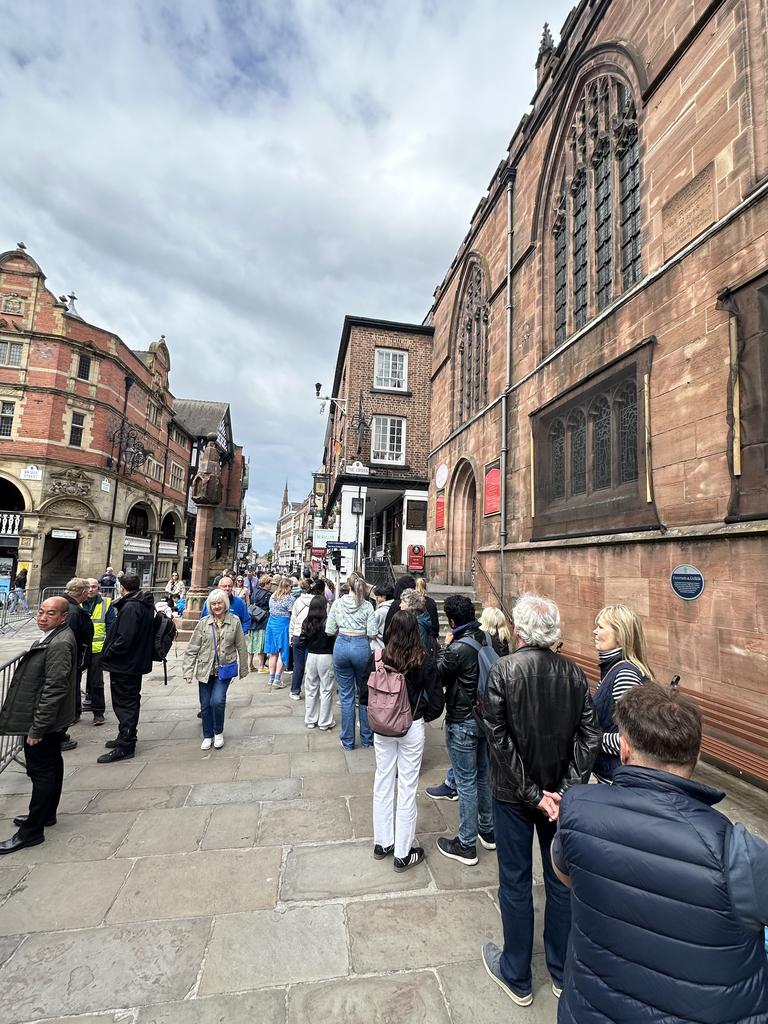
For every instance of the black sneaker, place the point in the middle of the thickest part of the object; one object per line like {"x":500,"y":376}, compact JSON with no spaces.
{"x":380,"y":852}
{"x":487,"y":839}
{"x":454,"y":849}
{"x":68,"y":744}
{"x":116,"y":754}
{"x":416,"y":856}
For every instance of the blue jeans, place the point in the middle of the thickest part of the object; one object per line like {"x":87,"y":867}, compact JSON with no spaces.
{"x":351,"y":655}
{"x":514,"y":848}
{"x":299,"y":661}
{"x":213,"y":704}
{"x":468,"y":751}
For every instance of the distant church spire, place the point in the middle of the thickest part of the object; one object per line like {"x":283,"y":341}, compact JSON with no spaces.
{"x":285,"y":503}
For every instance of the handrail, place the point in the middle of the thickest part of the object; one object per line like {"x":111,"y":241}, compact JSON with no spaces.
{"x":478,"y":565}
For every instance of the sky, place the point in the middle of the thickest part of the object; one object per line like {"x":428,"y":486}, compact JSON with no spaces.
{"x":239,"y":175}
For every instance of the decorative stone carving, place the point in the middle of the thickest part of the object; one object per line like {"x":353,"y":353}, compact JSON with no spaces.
{"x":69,"y":508}
{"x":13,"y":304}
{"x":206,"y":486}
{"x":70,"y":481}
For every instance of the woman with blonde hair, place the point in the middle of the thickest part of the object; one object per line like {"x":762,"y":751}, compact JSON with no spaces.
{"x":215,"y":655}
{"x":620,"y":644}
{"x":277,"y":642}
{"x":495,"y":623}
{"x":429,"y":606}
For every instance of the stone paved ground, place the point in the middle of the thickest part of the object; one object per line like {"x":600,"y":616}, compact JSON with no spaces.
{"x":238,"y":885}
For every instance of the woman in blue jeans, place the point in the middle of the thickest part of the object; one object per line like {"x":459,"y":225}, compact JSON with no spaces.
{"x":216,"y":655}
{"x":353,"y":621}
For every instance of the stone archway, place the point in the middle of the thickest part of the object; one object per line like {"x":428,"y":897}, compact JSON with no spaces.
{"x":462,"y":525}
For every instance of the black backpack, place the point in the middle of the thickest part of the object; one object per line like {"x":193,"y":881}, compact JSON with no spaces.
{"x":164,"y":635}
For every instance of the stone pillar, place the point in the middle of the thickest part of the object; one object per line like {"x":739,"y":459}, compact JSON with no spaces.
{"x":206,"y":494}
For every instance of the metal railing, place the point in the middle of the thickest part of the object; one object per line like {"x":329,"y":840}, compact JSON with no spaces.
{"x":476,"y":565}
{"x":379,"y":572}
{"x":10,"y":746}
{"x":17,"y":606}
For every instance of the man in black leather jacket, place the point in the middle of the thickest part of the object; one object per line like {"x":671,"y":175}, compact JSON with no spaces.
{"x":543,"y":736}
{"x":457,"y":665}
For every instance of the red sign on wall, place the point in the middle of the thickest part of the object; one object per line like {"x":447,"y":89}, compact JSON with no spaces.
{"x":440,"y":512}
{"x":492,"y":490}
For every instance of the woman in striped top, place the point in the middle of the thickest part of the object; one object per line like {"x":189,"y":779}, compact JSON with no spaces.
{"x":620,"y":645}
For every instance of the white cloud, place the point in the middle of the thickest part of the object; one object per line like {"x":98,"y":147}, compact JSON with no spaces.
{"x":239,"y":175}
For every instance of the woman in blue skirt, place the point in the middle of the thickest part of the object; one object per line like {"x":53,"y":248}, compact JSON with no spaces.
{"x":277,"y":642}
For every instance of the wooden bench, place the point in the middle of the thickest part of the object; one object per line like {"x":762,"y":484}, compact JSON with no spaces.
{"x":735,"y":736}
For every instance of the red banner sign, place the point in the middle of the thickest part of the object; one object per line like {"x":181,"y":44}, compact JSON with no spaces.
{"x":440,"y":512}
{"x":318,"y":552}
{"x":492,"y":490}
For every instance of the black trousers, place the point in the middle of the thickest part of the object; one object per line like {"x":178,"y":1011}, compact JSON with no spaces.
{"x":45,"y":767}
{"x":78,"y":694}
{"x":94,"y":685}
{"x":126,"y":702}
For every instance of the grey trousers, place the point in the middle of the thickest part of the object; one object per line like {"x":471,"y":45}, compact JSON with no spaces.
{"x":318,"y":690}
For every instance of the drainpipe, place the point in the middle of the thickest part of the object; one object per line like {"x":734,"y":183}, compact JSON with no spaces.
{"x":509,"y":182}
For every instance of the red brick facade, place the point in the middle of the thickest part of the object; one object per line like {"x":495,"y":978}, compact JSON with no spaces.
{"x":65,"y":391}
{"x":580,"y":346}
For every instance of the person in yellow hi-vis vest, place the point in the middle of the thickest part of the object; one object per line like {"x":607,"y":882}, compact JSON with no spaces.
{"x":99,"y":607}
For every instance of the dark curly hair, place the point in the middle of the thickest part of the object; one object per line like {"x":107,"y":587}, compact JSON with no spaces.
{"x":403,"y":650}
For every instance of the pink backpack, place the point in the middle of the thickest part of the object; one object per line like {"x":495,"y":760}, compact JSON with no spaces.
{"x":389,"y":709}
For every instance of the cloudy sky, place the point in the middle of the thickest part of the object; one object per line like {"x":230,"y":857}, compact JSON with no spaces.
{"x":240,"y":174}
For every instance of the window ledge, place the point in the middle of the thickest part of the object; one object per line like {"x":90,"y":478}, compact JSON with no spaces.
{"x":391,"y":391}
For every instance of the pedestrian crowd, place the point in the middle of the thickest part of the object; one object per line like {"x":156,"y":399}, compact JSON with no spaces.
{"x":655,"y":903}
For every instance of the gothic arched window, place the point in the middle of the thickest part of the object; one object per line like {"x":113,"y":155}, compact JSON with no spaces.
{"x":557,"y":460}
{"x":472,"y":345}
{"x":626,"y":423}
{"x":577,"y":437}
{"x":600,"y":414}
{"x":602,"y":219}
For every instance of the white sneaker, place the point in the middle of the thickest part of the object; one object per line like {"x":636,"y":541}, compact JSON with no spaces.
{"x":311,"y":725}
{"x":207,"y":743}
{"x":218,"y":740}
{"x":295,"y":696}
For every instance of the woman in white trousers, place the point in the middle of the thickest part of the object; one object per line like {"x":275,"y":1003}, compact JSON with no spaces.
{"x":318,"y":669}
{"x":399,"y":757}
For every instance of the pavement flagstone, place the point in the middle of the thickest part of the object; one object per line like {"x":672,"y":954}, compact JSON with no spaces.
{"x":192,"y":887}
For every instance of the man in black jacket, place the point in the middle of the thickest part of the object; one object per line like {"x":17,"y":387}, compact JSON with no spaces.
{"x":457,"y":665}
{"x":81,"y":624}
{"x":127,"y":655}
{"x":39,"y":705}
{"x":543,"y":736}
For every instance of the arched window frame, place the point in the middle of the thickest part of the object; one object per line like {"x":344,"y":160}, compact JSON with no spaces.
{"x":597,"y":208}
{"x":471,"y":344}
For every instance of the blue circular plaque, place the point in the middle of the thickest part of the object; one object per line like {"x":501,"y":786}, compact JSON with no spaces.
{"x":687,"y":582}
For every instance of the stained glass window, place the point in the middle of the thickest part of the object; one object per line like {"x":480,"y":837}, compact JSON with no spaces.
{"x":626,"y":415}
{"x":557,"y":460}
{"x":603,"y":226}
{"x":473,"y":346}
{"x":561,"y":284}
{"x":580,"y":241}
{"x":577,"y":436}
{"x":601,"y":443}
{"x":629,"y":203}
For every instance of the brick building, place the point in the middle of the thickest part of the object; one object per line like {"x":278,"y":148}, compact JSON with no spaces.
{"x":292,"y":534}
{"x":600,"y":391}
{"x":377,"y":438}
{"x":93,"y":468}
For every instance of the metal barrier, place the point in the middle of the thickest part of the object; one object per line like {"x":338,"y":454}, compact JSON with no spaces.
{"x":379,"y":572}
{"x":17,"y":607}
{"x":10,"y":746}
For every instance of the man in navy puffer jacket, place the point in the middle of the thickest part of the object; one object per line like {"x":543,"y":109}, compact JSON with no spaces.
{"x":669,"y":897}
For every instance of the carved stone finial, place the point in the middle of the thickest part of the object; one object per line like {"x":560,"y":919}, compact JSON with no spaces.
{"x":72,"y":310}
{"x":547,"y":44}
{"x":206,"y":486}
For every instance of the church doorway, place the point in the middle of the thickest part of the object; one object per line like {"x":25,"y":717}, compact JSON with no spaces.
{"x":463,"y":526}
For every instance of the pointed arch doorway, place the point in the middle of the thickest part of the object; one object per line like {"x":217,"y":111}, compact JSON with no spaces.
{"x":463,"y":525}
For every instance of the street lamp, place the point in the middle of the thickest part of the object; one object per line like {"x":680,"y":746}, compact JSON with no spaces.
{"x":340,"y":403}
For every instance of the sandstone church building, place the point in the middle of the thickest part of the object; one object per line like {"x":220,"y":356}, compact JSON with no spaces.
{"x":599,"y":419}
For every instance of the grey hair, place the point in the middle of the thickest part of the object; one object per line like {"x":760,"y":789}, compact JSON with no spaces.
{"x":76,"y":585}
{"x":537,"y":620}
{"x":412,"y":601}
{"x":218,"y":595}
